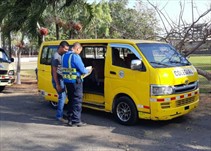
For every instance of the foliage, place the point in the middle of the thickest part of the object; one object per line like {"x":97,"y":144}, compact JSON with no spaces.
{"x":67,"y":19}
{"x":99,"y":25}
{"x":139,"y":23}
{"x":93,"y":19}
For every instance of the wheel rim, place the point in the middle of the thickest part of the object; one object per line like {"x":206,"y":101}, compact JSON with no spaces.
{"x":123,"y":111}
{"x":54,"y":104}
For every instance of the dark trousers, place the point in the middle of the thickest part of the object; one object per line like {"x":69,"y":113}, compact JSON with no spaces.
{"x":74,"y":106}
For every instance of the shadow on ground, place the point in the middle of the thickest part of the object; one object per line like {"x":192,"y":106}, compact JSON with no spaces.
{"x":23,"y":104}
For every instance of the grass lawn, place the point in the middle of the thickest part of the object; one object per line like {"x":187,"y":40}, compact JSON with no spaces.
{"x":204,"y":63}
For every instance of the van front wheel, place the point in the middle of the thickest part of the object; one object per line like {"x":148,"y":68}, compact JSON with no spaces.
{"x":125,"y":111}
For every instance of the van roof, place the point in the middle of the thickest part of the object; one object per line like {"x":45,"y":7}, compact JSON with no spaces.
{"x":128,"y":41}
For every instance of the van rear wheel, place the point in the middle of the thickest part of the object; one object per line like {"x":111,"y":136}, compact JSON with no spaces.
{"x":125,"y":111}
{"x":2,"y":88}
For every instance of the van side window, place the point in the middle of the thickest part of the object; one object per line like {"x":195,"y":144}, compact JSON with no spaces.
{"x":95,"y":52}
{"x":94,"y":55}
{"x":47,"y":53}
{"x":122,"y":57}
{"x":118,"y":57}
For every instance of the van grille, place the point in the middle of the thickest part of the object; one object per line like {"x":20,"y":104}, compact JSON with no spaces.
{"x":165,"y":105}
{"x":184,"y":101}
{"x":4,"y":80}
{"x":185,"y":88}
{"x":3,"y":71}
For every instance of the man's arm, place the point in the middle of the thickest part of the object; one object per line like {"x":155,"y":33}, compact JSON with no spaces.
{"x":80,"y":65}
{"x":55,"y":77}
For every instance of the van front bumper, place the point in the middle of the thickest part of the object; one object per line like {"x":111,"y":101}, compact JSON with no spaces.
{"x":172,"y":109}
{"x":168,"y":114}
{"x":6,"y":81}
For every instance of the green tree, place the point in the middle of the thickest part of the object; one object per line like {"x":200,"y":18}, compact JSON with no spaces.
{"x":21,"y":15}
{"x":136,"y":23}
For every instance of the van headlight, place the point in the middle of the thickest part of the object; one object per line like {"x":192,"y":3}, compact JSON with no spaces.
{"x":161,"y":90}
{"x":11,"y":72}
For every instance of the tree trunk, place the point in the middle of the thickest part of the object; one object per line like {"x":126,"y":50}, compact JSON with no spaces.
{"x":204,"y":73}
{"x":9,"y":44}
{"x":18,"y":81}
{"x":57,"y":32}
{"x":0,"y":38}
{"x":3,"y":41}
{"x":39,"y":40}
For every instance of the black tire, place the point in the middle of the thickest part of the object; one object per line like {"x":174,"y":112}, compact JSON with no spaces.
{"x":125,"y":111}
{"x":2,"y":88}
{"x":53,"y":104}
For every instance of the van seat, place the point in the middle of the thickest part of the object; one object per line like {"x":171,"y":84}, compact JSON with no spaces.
{"x":98,"y":69}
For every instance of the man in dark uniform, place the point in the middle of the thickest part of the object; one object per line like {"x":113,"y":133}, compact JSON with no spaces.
{"x":73,"y":70}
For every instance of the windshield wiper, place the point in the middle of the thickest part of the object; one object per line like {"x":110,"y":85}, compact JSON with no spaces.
{"x":173,"y":61}
{"x":158,"y":63}
{"x":179,"y":62}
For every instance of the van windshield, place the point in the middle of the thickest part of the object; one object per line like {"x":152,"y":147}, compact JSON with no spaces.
{"x":162,"y":55}
{"x":3,"y":57}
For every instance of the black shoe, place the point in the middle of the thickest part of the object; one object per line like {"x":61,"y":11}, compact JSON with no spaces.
{"x":69,"y":123}
{"x":80,"y":124}
{"x":65,"y":117}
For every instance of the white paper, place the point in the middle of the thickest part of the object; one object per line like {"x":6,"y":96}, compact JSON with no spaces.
{"x":89,"y":68}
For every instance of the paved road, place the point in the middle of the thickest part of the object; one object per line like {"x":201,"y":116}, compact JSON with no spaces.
{"x":27,"y":123}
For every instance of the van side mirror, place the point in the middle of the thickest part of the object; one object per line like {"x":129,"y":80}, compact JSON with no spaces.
{"x":136,"y":64}
{"x":12,"y":59}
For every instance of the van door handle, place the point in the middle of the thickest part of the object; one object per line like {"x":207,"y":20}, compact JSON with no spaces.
{"x":112,"y":72}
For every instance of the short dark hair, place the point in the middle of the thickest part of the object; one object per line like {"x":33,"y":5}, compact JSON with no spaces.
{"x":77,"y":44}
{"x":64,"y":43}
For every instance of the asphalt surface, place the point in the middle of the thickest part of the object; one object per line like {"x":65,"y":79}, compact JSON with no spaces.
{"x":27,"y":122}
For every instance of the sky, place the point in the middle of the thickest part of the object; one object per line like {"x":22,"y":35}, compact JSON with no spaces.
{"x":172,"y":8}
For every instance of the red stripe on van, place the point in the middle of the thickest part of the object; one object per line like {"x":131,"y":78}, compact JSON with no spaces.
{"x":173,"y":98}
{"x":146,"y":107}
{"x":160,"y":100}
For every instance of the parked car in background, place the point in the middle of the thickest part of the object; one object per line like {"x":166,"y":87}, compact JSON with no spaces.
{"x":7,"y":72}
